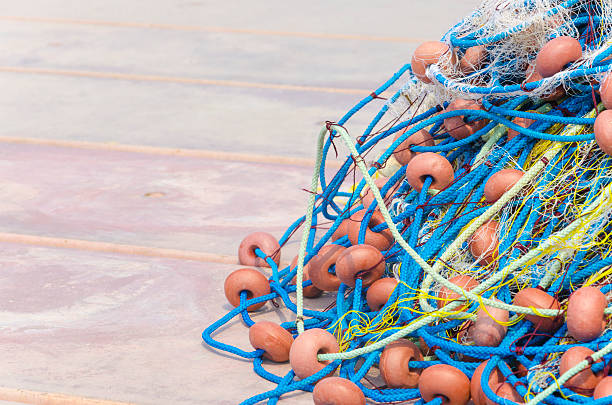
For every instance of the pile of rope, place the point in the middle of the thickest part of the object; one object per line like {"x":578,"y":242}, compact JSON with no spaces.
{"x":472,"y":258}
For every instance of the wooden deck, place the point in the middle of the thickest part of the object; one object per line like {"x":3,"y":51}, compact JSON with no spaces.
{"x":140,"y":142}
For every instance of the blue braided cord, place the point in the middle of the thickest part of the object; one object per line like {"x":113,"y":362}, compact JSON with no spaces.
{"x":578,"y":73}
{"x":263,"y":373}
{"x":305,"y":385}
{"x":207,"y":333}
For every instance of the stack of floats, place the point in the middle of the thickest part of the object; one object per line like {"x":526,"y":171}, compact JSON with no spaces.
{"x":473,"y":258}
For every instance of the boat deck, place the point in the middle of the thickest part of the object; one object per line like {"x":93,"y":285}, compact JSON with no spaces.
{"x":141,"y":141}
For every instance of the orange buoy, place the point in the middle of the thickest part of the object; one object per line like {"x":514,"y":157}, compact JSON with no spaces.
{"x":379,"y":292}
{"x":403,"y":154}
{"x":457,"y":126}
{"x":337,"y":391}
{"x":603,"y":389}
{"x":521,"y":122}
{"x":306,"y":347}
{"x":475,"y":383}
{"x":605,"y":90}
{"x":341,"y":230}
{"x":429,"y":164}
{"x":250,"y":280}
{"x":484,"y":243}
{"x":556,"y":54}
{"x":585,"y":381}
{"x":446,"y":295}
{"x":507,"y":391}
{"x":429,"y":53}
{"x":394,"y":364}
{"x":455,"y":389}
{"x":318,"y":268}
{"x":536,"y":298}
{"x":311,"y":291}
{"x":265,"y":242}
{"x":585,"y":314}
{"x":360,"y":261}
{"x":603,"y":131}
{"x":491,"y":326}
{"x":500,"y":182}
{"x":473,"y":58}
{"x":533,"y":76}
{"x":273,"y":339}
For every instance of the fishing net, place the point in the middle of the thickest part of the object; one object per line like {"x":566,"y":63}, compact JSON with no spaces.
{"x":478,"y":204}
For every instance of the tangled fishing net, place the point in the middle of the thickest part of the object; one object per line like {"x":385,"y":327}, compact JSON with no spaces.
{"x":472,"y":258}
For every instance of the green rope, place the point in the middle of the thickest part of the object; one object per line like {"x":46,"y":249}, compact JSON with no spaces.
{"x":299,"y":320}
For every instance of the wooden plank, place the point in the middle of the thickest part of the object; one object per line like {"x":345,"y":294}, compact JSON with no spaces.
{"x":101,"y":325}
{"x":187,"y":207}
